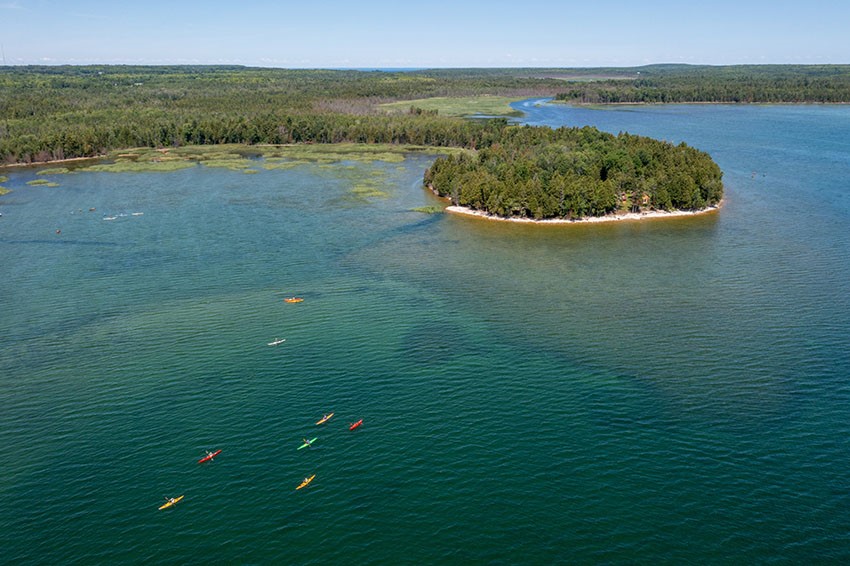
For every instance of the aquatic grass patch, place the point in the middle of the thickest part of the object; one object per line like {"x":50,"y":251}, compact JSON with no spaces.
{"x":330,"y":153}
{"x":238,"y":157}
{"x":4,"y":190}
{"x":362,"y":180}
{"x":288,"y":164}
{"x":250,"y":159}
{"x":457,"y":106}
{"x":42,"y":183}
{"x":238,"y":164}
{"x":334,"y":153}
{"x":428,"y":209}
{"x":55,"y":171}
{"x":368,"y":191}
{"x":140,"y":166}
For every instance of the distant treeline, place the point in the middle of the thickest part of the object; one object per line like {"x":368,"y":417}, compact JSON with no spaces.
{"x":574,"y":172}
{"x":732,"y":84}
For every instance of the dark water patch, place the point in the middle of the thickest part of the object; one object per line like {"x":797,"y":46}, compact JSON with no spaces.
{"x":433,"y":344}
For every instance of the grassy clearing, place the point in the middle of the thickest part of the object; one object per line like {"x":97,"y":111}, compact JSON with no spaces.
{"x":458,"y":106}
{"x":42,"y":183}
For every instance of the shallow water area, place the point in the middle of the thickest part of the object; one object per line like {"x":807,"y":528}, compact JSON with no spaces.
{"x":668,"y":391}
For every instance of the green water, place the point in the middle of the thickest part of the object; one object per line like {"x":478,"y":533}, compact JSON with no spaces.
{"x":657,"y":392}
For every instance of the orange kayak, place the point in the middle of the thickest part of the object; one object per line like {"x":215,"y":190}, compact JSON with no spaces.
{"x":293,"y":299}
{"x":352,"y":426}
{"x":325,"y":419}
{"x":306,"y":482}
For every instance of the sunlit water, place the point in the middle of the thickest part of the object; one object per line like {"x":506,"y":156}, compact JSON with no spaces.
{"x":661,"y":391}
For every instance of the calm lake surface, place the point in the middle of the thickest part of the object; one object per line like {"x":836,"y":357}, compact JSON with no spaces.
{"x":671,"y":391}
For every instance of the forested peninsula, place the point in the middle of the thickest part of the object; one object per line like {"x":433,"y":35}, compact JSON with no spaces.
{"x":57,"y":113}
{"x":571,"y":173}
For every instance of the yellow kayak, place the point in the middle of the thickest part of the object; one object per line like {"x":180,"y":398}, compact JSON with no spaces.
{"x":325,"y":419}
{"x":172,"y":501}
{"x":306,"y":481}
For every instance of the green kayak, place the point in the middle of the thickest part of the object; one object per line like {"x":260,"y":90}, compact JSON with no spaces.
{"x":308,"y":443}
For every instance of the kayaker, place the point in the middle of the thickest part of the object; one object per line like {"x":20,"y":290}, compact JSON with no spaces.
{"x":307,"y":442}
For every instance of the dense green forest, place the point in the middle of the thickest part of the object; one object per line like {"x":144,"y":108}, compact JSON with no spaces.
{"x":575,"y":172}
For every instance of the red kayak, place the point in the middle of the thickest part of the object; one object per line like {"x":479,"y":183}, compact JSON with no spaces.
{"x":209,"y":456}
{"x":355,"y":425}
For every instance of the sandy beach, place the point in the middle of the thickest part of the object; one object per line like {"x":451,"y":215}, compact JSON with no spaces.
{"x":628,"y":217}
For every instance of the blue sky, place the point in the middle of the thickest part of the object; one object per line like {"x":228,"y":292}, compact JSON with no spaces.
{"x":429,"y":33}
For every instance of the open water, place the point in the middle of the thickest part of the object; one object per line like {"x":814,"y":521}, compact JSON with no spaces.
{"x":672,"y":391}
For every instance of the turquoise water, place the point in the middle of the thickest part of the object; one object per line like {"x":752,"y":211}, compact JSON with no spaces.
{"x":668,"y":391}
